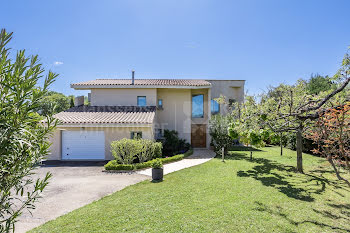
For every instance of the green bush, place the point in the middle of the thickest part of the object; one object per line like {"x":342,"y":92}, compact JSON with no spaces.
{"x":143,"y":165}
{"x":157,"y":149}
{"x":172,"y":144}
{"x":188,"y":153}
{"x":114,"y":165}
{"x":157,"y":163}
{"x":172,"y":158}
{"x":125,"y":150}
{"x":147,"y":150}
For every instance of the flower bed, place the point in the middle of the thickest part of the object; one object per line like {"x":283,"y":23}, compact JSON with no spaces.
{"x":114,"y":165}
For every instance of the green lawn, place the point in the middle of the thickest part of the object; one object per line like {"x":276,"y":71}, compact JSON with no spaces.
{"x":239,"y":195}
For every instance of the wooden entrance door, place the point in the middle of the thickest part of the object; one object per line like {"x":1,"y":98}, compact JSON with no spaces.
{"x":198,"y":135}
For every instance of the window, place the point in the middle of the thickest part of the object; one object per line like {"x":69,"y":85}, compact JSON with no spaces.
{"x":198,"y":106}
{"x":160,"y":103}
{"x":215,"y":107}
{"x":141,"y":101}
{"x":136,"y":135}
{"x":159,"y":133}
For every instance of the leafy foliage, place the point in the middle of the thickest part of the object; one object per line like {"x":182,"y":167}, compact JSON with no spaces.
{"x":289,"y":108}
{"x":149,"y":150}
{"x":172,"y":144}
{"x":218,"y":126}
{"x":157,"y":163}
{"x":23,"y":134}
{"x":332,"y":135}
{"x":114,"y":165}
{"x":246,"y":125}
{"x":55,"y":102}
{"x":125,"y":151}
{"x":317,"y":84}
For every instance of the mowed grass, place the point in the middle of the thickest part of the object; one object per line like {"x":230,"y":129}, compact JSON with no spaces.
{"x":238,"y":195}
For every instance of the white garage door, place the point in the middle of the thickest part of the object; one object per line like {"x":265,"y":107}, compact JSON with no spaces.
{"x":83,"y":145}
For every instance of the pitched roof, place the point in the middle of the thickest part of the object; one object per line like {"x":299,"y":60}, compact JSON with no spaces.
{"x":107,"y":115}
{"x":144,"y":82}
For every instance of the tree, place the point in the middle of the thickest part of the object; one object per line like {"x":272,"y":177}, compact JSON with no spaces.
{"x":23,"y":134}
{"x":332,"y":135}
{"x":291,"y":109}
{"x":247,"y":127}
{"x":55,"y":102}
{"x":218,"y":126}
{"x":317,"y":84}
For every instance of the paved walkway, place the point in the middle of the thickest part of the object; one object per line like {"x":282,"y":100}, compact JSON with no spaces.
{"x":199,"y":156}
{"x":72,"y":187}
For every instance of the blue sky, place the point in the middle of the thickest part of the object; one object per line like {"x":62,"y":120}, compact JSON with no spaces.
{"x":264,"y":42}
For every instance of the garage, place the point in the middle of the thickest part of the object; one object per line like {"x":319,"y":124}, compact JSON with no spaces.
{"x":83,"y":145}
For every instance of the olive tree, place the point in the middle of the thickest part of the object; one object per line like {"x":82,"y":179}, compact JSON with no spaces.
{"x":23,"y":132}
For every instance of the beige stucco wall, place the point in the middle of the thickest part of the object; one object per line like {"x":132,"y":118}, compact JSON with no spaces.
{"x":231,"y":89}
{"x":122,"y":97}
{"x":111,"y":134}
{"x":176,"y":113}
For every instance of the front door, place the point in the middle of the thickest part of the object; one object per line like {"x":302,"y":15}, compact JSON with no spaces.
{"x":198,"y":135}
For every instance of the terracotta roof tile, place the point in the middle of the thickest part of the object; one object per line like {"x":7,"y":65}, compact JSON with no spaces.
{"x":146,"y":82}
{"x":107,"y":115}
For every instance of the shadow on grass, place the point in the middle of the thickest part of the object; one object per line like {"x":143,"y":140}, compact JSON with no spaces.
{"x":329,"y":223}
{"x":243,"y":148}
{"x":284,"y":178}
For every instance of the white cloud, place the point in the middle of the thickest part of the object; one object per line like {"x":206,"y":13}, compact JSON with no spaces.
{"x":57,"y":63}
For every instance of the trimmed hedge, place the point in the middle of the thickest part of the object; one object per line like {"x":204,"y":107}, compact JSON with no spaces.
{"x":114,"y":165}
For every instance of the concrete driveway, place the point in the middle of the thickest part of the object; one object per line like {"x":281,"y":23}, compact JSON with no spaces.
{"x":72,"y":187}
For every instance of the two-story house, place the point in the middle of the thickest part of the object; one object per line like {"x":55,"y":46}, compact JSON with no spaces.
{"x":128,"y":108}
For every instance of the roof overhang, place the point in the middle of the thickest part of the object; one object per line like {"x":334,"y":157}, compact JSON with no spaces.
{"x":119,"y":125}
{"x":88,"y":87}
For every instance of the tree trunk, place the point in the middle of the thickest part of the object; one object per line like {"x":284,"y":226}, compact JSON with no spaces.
{"x":223,"y":154}
{"x":330,"y":160}
{"x":281,"y":144}
{"x":299,"y":144}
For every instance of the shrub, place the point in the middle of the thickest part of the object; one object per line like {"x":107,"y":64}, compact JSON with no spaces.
{"x":114,"y":165}
{"x":157,"y":150}
{"x":172,"y":144}
{"x":188,"y":153}
{"x":172,"y":158}
{"x":147,"y":150}
{"x":125,"y":150}
{"x":143,"y":165}
{"x":157,"y":163}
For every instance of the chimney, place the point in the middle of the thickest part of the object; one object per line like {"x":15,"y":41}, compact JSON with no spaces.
{"x":79,"y":100}
{"x":133,"y":77}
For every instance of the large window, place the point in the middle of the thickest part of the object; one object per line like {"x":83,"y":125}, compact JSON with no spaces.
{"x":141,"y":101}
{"x":197,"y":106}
{"x":215,"y":107}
